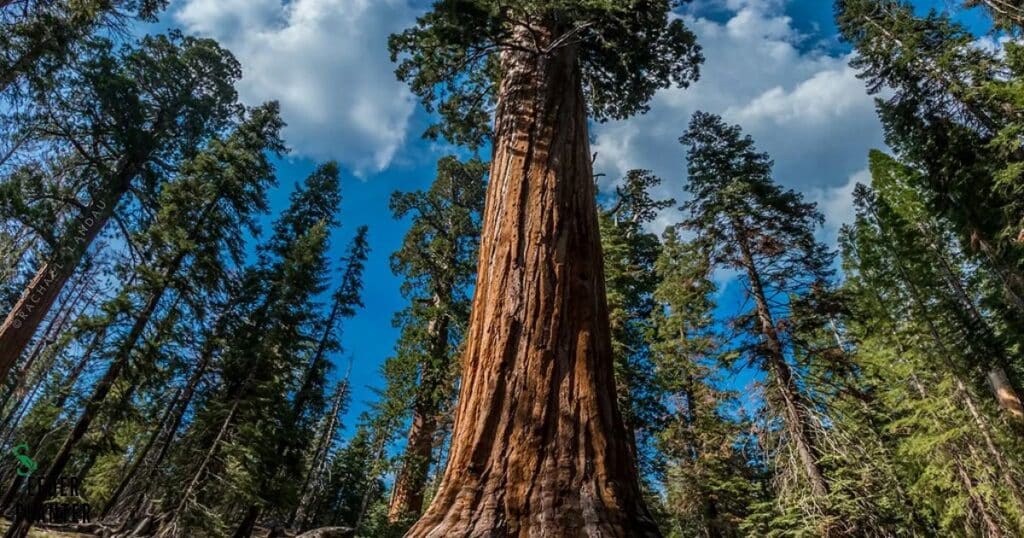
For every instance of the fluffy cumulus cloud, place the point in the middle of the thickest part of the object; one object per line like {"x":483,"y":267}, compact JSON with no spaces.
{"x":326,"y":62}
{"x":802,"y":105}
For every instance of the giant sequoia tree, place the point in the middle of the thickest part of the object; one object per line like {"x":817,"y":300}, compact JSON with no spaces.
{"x":538,"y":445}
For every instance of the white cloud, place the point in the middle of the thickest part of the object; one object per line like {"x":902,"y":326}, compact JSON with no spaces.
{"x":326,"y":61}
{"x":836,"y":203}
{"x":806,"y":108}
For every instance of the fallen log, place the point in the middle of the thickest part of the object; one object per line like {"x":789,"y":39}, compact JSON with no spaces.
{"x":328,"y":532}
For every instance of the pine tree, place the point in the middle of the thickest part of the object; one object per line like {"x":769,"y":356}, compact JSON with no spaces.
{"x":126,"y":133}
{"x":954,"y":115}
{"x":437,"y":260}
{"x":307,"y":405}
{"x":202,"y":217}
{"x":250,"y":417}
{"x":538,"y":343}
{"x":921,"y":238}
{"x":313,"y":486}
{"x":353,"y":482}
{"x":630,"y":252}
{"x":708,"y":482}
{"x":935,"y":422}
{"x":767,"y":234}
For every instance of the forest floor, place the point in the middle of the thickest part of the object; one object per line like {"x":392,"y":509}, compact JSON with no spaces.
{"x":47,"y":533}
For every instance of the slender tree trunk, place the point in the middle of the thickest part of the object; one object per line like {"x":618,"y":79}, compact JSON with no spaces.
{"x":140,"y":457}
{"x":1007,"y":396}
{"x":54,"y":327}
{"x":68,"y":384}
{"x":407,"y":496}
{"x":382,"y":433}
{"x":62,"y":395}
{"x":169,"y":529}
{"x":175,"y":423}
{"x":248,"y":523}
{"x":782,"y":376}
{"x":11,"y":492}
{"x":35,"y":302}
{"x":12,"y":418}
{"x":1011,"y":280}
{"x":979,"y":503}
{"x":305,"y":392}
{"x":308,"y":491}
{"x":539,"y":448}
{"x":1001,"y":467}
{"x":709,"y":511}
{"x":186,"y":399}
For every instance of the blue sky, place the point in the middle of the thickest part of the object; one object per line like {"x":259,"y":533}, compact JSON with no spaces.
{"x":774,"y":66}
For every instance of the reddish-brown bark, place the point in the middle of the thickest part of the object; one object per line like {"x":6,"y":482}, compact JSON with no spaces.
{"x":407,"y":496}
{"x":539,"y":447}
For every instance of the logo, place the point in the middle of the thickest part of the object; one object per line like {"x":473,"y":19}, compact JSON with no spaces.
{"x":26,"y":465}
{"x":63,"y":502}
{"x":62,"y":499}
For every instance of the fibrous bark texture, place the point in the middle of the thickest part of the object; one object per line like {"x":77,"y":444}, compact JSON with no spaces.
{"x":407,"y":495}
{"x":538,"y":447}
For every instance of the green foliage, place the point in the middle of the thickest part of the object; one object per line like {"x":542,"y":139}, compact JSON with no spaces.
{"x":625,"y":51}
{"x":630,"y":252}
{"x":889,"y":368}
{"x":709,"y":483}
{"x":38,"y":36}
{"x":437,"y":261}
{"x":909,"y":327}
{"x":952,"y":115}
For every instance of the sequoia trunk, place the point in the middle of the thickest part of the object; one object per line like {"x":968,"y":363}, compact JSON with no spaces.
{"x":407,"y":497}
{"x":538,"y":447}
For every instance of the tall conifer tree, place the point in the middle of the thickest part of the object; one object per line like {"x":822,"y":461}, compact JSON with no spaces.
{"x":537,"y":395}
